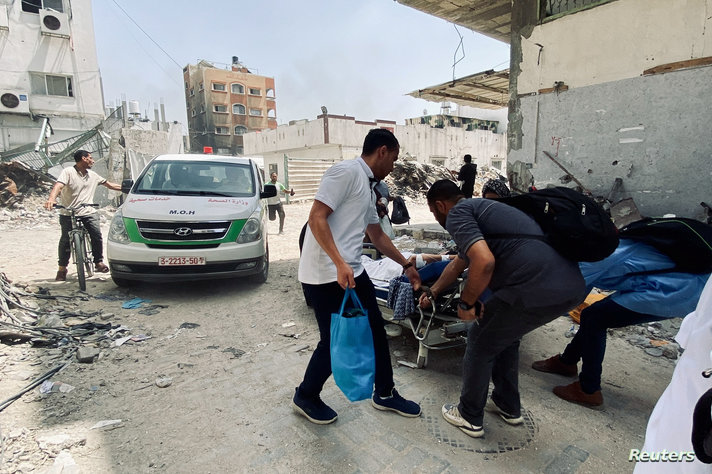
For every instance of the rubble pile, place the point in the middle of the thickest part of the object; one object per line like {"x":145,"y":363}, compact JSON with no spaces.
{"x":17,"y":182}
{"x":22,"y":319}
{"x":412,"y":180}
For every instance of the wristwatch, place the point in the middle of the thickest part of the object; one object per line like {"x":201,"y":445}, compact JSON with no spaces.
{"x":464,"y":306}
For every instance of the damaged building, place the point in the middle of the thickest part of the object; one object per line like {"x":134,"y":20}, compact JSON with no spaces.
{"x":605,"y":89}
{"x":50,"y":85}
{"x":224,"y":104}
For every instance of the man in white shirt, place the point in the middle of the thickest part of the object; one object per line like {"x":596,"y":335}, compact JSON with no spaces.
{"x":274,"y":204}
{"x":75,"y":186}
{"x":344,"y":210}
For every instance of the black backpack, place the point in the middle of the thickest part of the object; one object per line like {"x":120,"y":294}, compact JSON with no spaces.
{"x":687,"y":242}
{"x":573,"y":224}
{"x":399,"y":215}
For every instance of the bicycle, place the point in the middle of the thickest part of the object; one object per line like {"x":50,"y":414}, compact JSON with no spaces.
{"x":80,"y":245}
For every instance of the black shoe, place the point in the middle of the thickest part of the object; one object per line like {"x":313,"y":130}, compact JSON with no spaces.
{"x":313,"y":409}
{"x":396,"y":403}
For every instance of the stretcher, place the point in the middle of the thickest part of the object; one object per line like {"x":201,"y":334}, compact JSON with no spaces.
{"x":435,"y":328}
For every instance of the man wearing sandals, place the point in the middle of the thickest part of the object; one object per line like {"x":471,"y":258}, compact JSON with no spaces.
{"x":75,"y":186}
{"x":344,"y":210}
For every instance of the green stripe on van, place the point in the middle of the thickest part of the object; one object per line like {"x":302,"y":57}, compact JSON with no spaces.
{"x":135,"y":236}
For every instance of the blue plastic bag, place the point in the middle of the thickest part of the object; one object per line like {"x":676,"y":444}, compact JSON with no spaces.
{"x":353,"y":361}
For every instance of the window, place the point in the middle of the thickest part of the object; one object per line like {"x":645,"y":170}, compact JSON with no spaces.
{"x":186,"y":86}
{"x":256,"y":112}
{"x":45,"y":84}
{"x":238,"y":109}
{"x":202,"y":109}
{"x":217,"y":86}
{"x":34,"y":6}
{"x":222,"y":109}
{"x":270,"y":93}
{"x":222,"y":131}
{"x":254,"y":91}
{"x":240,"y":130}
{"x":237,"y":88}
{"x":200,"y":86}
{"x":271,"y":113}
{"x":192,"y":113}
{"x":192,"y":92}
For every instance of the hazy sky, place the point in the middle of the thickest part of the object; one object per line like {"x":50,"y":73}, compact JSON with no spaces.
{"x":356,"y":57}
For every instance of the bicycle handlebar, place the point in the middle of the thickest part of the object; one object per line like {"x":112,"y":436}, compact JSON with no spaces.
{"x":59,"y":206}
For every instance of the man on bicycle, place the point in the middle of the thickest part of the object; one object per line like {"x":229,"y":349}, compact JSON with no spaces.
{"x":75,"y":186}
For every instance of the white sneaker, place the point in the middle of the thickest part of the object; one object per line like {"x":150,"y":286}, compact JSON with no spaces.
{"x":452,"y":416}
{"x":509,"y":419}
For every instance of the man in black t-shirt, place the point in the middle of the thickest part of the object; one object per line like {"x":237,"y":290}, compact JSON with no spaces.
{"x":467,"y":175}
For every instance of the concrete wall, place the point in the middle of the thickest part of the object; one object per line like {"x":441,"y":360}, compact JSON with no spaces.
{"x":614,"y":41}
{"x":345,"y":135}
{"x":651,"y":131}
{"x":24,"y":50}
{"x":645,"y":130}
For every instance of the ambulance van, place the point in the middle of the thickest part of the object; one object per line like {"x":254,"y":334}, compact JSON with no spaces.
{"x":191,"y":217}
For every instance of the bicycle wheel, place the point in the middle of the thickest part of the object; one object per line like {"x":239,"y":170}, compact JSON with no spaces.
{"x":88,"y":256}
{"x":78,"y":246}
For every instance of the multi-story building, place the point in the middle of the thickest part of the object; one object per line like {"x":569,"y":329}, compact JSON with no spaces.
{"x":224,"y":104}
{"x":49,"y":72}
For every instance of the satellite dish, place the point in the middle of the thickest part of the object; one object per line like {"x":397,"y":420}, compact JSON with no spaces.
{"x":323,"y":109}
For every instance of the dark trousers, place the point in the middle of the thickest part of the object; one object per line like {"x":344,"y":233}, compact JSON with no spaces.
{"x":92,"y":224}
{"x":493,"y":353}
{"x":589,"y":343}
{"x":326,"y":299}
{"x":277,"y":209}
{"x":467,"y":189}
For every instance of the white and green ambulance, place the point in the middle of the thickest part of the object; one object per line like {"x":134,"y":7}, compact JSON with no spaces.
{"x":191,"y":217}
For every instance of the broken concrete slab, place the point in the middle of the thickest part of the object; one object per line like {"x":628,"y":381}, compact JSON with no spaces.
{"x":87,"y":354}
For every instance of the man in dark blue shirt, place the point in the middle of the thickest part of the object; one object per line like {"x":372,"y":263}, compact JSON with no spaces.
{"x":531,"y":285}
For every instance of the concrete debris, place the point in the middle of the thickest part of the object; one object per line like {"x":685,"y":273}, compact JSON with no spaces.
{"x":164,"y":381}
{"x":654,"y":351}
{"x":87,"y":354}
{"x":54,"y":443}
{"x":17,"y":182}
{"x":106,"y":424}
{"x":412,"y":180}
{"x":48,"y":387}
{"x":63,"y":464}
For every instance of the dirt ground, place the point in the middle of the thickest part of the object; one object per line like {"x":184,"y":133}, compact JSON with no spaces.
{"x":232,"y":371}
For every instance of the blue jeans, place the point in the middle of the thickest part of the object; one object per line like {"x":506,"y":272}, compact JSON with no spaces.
{"x":326,"y":299}
{"x":589,"y":343}
{"x":493,"y":353}
{"x":92,"y":224}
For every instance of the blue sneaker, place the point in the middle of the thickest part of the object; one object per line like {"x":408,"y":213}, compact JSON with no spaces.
{"x":313,"y":409}
{"x":394,"y":402}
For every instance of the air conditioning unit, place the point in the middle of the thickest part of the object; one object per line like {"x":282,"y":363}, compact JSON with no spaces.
{"x":14,"y":102}
{"x":54,"y":23}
